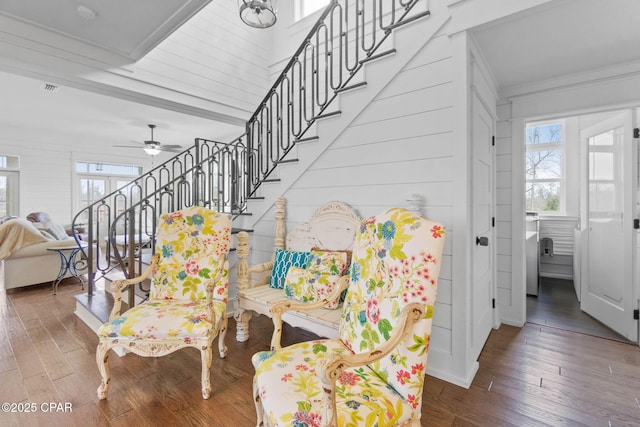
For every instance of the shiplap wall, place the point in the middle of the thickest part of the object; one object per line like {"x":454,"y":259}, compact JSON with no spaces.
{"x":213,"y":56}
{"x":47,"y":171}
{"x":504,"y":184}
{"x":400,"y":144}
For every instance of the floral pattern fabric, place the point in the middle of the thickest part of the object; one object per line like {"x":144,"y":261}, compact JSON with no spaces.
{"x":319,"y":278}
{"x":165,"y":320}
{"x":396,"y":261}
{"x":306,"y":285}
{"x":287,"y":379}
{"x":193,"y":244}
{"x":330,"y":262}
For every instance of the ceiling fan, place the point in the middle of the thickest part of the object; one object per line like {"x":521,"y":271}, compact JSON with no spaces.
{"x":153,"y":147}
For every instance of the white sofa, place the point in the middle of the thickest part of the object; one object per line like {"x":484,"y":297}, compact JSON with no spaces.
{"x":33,"y":264}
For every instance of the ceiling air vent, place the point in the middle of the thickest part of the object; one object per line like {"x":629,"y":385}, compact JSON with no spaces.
{"x":48,"y":87}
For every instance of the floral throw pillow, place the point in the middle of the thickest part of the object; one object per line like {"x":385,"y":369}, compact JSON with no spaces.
{"x":331,"y":262}
{"x":282,"y":262}
{"x":306,"y":285}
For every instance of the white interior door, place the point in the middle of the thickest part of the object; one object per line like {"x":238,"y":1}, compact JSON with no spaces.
{"x":607,"y":213}
{"x":483,"y":232}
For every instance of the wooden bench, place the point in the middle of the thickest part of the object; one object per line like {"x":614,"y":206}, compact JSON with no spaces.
{"x":332,"y":227}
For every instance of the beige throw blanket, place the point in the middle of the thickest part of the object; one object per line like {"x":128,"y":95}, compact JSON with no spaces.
{"x":16,"y":234}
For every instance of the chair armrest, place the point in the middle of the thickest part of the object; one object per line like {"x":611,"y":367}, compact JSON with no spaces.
{"x":119,"y":285}
{"x":278,"y":308}
{"x":331,"y":368}
{"x":261,"y":268}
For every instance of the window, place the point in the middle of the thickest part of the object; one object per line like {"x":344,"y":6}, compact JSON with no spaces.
{"x":99,"y":179}
{"x":605,"y":172}
{"x":307,"y":7}
{"x":545,"y":153}
{"x":9,"y":185}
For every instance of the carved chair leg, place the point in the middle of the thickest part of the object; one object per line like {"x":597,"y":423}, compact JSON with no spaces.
{"x":277,"y":331}
{"x":102,"y":359}
{"x":206,"y":355}
{"x":242,"y":325}
{"x":221,"y":335}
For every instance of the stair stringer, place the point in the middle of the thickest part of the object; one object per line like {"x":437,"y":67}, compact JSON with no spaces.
{"x":409,"y":40}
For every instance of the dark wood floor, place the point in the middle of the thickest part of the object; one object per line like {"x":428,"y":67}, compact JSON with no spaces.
{"x":531,"y":376}
{"x":557,"y":305}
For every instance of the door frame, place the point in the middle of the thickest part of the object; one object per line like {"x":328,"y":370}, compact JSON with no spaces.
{"x":537,"y":110}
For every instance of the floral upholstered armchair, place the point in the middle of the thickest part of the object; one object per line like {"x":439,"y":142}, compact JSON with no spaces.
{"x":374,"y":373}
{"x":188,"y":299}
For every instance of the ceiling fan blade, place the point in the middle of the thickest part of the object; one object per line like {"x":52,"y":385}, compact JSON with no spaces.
{"x":169,"y":147}
{"x":126,"y":146}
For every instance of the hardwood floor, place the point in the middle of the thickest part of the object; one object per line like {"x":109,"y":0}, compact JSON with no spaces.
{"x":557,"y":306}
{"x":530,"y":376}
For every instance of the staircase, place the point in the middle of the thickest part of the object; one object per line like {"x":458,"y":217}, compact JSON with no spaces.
{"x":295,"y":122}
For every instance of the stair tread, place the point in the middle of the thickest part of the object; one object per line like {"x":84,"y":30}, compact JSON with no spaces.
{"x":99,"y":304}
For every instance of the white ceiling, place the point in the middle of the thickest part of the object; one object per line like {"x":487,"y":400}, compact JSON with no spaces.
{"x":561,"y":38}
{"x":122,"y":31}
{"x":124,"y":27}
{"x":96,"y":121}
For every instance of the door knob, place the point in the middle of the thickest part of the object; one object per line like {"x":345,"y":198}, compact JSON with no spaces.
{"x":482,"y":241}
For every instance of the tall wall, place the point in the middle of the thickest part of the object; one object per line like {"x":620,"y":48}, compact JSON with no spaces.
{"x":214,"y":56}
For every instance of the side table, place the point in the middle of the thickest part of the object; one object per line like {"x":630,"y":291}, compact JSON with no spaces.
{"x":68,"y":263}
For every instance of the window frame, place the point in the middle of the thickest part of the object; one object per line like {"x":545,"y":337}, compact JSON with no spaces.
{"x":10,"y":168}
{"x":101,"y":171}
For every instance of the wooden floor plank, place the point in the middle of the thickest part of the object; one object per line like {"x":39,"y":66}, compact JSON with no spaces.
{"x":48,"y":354}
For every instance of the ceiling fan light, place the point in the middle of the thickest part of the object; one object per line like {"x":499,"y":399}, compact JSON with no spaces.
{"x":151,"y":151}
{"x":258,"y":13}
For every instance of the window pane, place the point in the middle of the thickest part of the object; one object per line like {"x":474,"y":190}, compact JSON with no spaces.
{"x":108,"y":169}
{"x":8,"y":193}
{"x":3,"y":196}
{"x":602,"y":197}
{"x":544,"y":134}
{"x":544,"y":164}
{"x":601,"y":166}
{"x":307,"y":7}
{"x":543,"y":197}
{"x":82,"y":167}
{"x":91,"y":190}
{"x":606,"y":138}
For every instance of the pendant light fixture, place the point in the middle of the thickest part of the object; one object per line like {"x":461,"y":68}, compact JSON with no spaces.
{"x":258,"y":13}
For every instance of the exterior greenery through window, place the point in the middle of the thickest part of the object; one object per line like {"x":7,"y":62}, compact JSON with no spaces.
{"x":545,"y":152}
{"x":307,"y":7}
